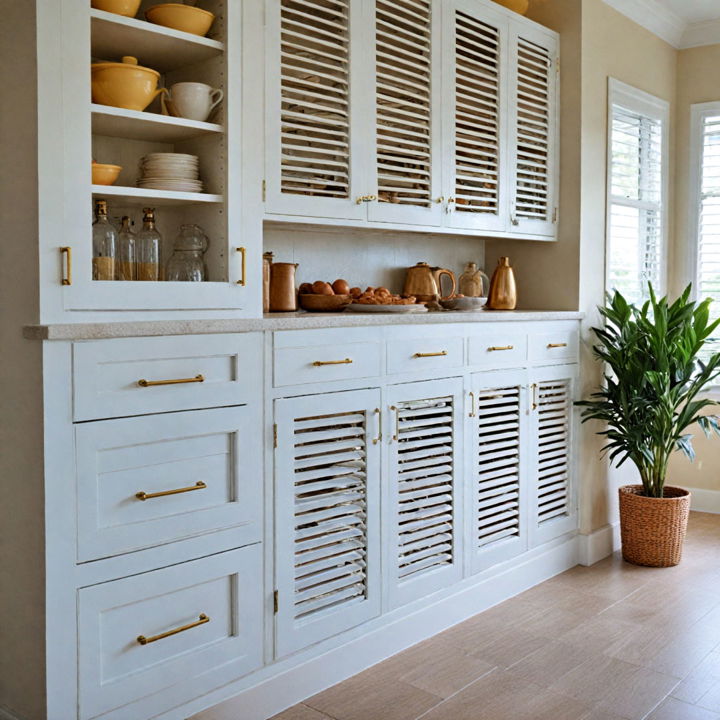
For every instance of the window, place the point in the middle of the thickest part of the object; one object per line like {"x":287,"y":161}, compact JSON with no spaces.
{"x":705,"y":203}
{"x":636,"y":244}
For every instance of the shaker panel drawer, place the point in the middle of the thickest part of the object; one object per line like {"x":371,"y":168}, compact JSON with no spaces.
{"x":146,"y":481}
{"x":326,"y":363}
{"x":137,"y":376}
{"x":424,"y":353}
{"x":152,"y":631}
{"x":497,"y":350}
{"x":560,"y":345}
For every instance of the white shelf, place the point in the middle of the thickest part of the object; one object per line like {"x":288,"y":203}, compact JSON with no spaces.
{"x":155,"y":46}
{"x":142,"y":196}
{"x":134,"y":125}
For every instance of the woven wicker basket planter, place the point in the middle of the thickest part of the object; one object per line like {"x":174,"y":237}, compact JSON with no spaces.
{"x":653,"y":529}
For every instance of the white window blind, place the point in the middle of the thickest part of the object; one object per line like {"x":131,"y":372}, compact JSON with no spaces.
{"x":637,"y":178}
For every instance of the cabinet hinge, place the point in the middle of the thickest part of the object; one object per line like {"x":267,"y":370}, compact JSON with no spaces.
{"x":275,"y":442}
{"x":555,"y":215}
{"x":264,"y":189}
{"x":275,"y":602}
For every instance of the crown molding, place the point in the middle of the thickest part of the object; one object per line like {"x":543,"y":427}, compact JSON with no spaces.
{"x":651,"y":15}
{"x":701,"y":33}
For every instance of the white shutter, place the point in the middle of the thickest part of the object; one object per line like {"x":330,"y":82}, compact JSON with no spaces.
{"x":533,"y":132}
{"x":324,"y":499}
{"x":478,"y":128}
{"x":403,"y":69}
{"x":423,"y":470}
{"x":315,"y":115}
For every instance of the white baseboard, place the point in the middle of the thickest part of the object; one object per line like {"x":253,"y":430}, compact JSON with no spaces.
{"x":707,"y":501}
{"x":598,"y":545}
{"x":287,"y":682}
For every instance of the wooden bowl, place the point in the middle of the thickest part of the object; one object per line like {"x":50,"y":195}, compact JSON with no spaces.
{"x":324,"y":303}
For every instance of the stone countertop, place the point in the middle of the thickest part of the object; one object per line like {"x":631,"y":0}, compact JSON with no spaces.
{"x":279,"y":321}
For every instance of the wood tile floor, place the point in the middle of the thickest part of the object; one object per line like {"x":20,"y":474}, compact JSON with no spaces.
{"x":600,"y":643}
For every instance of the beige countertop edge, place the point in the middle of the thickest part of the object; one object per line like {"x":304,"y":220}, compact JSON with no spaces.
{"x":277,"y":321}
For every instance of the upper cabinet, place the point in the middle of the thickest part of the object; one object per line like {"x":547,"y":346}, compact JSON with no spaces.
{"x":439,"y":114}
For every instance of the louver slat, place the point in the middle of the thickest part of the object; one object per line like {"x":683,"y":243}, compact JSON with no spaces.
{"x":477,"y":124}
{"x":330,"y":506}
{"x":314,"y":77}
{"x":532,"y":132}
{"x":553,"y":450}
{"x":425,"y":513}
{"x":403,"y":102}
{"x":498,"y":466}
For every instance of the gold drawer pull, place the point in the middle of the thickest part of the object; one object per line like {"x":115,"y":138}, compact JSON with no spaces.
{"x":501,"y":347}
{"x":321,"y":363}
{"x":442,"y":353}
{"x":202,"y":619}
{"x":181,"y":381}
{"x":67,"y":278}
{"x":556,"y":345}
{"x":199,"y":485}
{"x":243,"y":256}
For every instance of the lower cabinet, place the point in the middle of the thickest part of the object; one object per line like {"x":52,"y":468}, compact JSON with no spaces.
{"x":327,"y":515}
{"x":145,"y":633}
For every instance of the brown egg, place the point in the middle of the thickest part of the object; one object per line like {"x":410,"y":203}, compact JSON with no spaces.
{"x":306,"y":289}
{"x":341,"y":287}
{"x":322,"y":288}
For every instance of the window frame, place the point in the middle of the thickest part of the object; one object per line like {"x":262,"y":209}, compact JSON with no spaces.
{"x":643,"y":103}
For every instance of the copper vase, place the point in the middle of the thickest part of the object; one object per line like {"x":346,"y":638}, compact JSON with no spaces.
{"x":503,"y":293}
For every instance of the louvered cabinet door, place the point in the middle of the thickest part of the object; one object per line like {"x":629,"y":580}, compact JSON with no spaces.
{"x":407,"y":63}
{"x":316,"y":86}
{"x":423,"y":505}
{"x":476,"y":77}
{"x":533,"y":135}
{"x":498,"y":458}
{"x":553,"y":504}
{"x":327,"y":505}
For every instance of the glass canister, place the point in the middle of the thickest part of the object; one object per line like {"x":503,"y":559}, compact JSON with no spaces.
{"x":473,"y":282}
{"x":187,"y":264}
{"x":104,"y":244}
{"x":125,"y":265}
{"x":147,"y":248}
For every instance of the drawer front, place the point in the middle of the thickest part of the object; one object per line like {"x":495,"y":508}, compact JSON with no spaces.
{"x":498,"y":350}
{"x":146,"y":481}
{"x":148,"y":632}
{"x":560,"y":345}
{"x":116,"y":378}
{"x":326,"y":363}
{"x":424,"y":353}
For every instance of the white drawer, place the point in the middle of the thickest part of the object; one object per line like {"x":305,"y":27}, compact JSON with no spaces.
{"x":115,"y":669}
{"x":497,"y":349}
{"x":326,"y":363}
{"x":424,"y":353}
{"x":559,"y":345}
{"x":117,"y":459}
{"x":115,"y":378}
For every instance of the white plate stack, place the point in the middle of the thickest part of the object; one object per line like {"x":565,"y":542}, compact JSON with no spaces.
{"x":170,"y":171}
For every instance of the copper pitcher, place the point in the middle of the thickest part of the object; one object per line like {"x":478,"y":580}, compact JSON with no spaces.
{"x":503,"y":292}
{"x":425,"y":282}
{"x":283,"y":296}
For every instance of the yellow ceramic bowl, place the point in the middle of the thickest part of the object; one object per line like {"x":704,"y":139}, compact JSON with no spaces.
{"x":128,"y":8}
{"x":181,"y":17}
{"x":125,"y":84}
{"x":105,"y":174}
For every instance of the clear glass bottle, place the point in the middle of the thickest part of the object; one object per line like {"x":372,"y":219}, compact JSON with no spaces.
{"x":104,"y":240}
{"x":186,"y":263}
{"x":125,"y":251}
{"x":147,"y":248}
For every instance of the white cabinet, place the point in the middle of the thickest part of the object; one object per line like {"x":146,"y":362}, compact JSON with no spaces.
{"x":423,"y":499}
{"x":327,"y":515}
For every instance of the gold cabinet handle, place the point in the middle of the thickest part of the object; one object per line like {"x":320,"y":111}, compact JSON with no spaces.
{"x":442,"y":353}
{"x":202,"y":619}
{"x":377,"y":439}
{"x":500,"y":348}
{"x":322,"y":363}
{"x":440,"y":199}
{"x":556,"y":345}
{"x":180,"y":381}
{"x":243,"y":260}
{"x":473,"y":410}
{"x":396,"y":410}
{"x":67,"y":276}
{"x":365,"y":198}
{"x":199,"y":485}
{"x":534,"y":396}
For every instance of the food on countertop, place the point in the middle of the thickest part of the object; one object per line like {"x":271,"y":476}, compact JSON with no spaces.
{"x":355,"y":292}
{"x":382,"y":296}
{"x":322,"y":288}
{"x":341,"y":287}
{"x":305,"y":289}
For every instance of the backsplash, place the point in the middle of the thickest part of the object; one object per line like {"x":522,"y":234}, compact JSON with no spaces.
{"x":367,"y":257}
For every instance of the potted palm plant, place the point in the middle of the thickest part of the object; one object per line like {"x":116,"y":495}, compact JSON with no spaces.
{"x":650,"y":398}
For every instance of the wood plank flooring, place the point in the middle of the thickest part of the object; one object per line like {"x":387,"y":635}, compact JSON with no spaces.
{"x":601,"y":643}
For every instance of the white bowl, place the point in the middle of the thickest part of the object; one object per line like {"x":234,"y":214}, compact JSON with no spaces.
{"x":465,"y":304}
